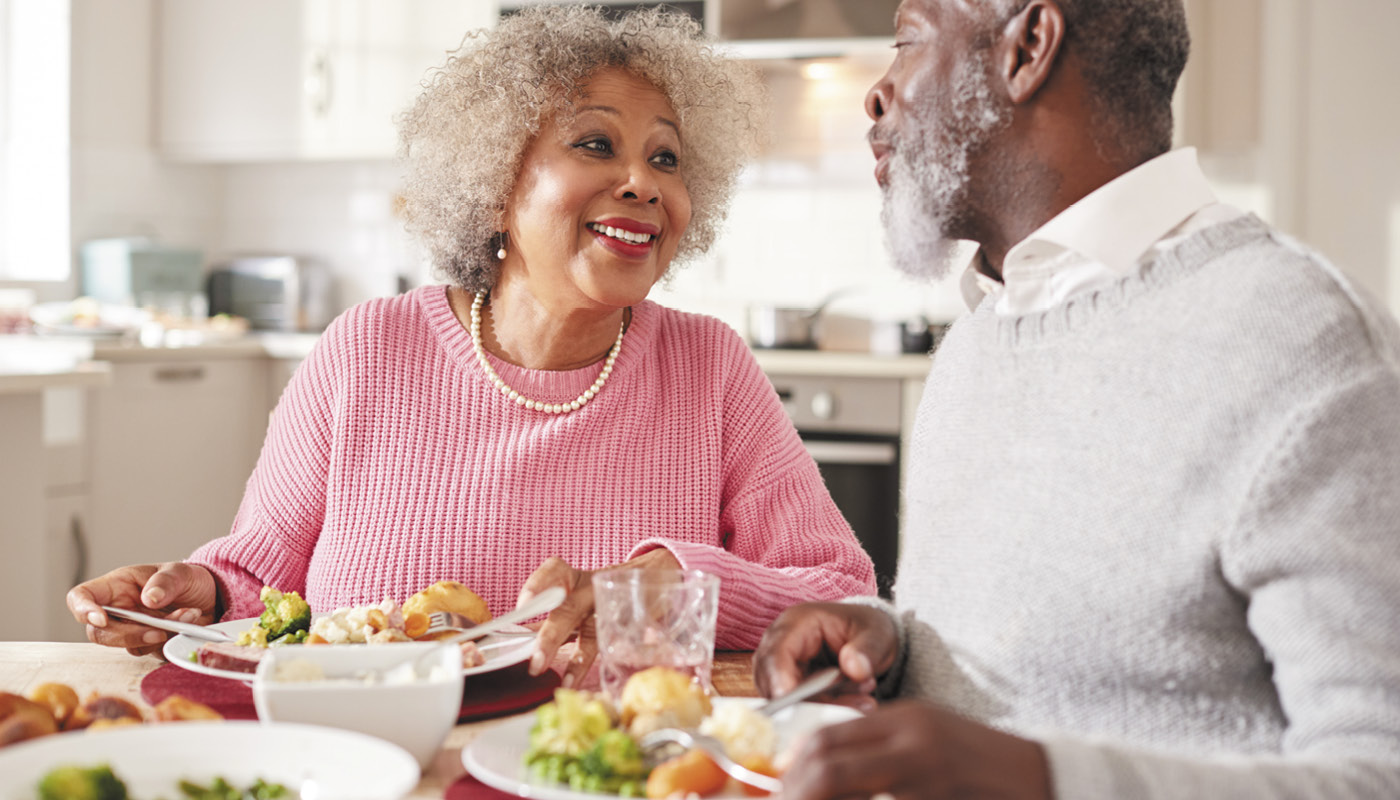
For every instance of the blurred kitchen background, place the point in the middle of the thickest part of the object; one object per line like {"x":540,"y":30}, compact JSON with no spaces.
{"x":167,"y":160}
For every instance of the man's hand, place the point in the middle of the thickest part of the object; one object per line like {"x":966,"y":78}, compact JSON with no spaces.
{"x":862,"y":640}
{"x":911,"y":749}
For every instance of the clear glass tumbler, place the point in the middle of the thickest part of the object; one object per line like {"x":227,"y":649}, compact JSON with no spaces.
{"x":649,"y":618}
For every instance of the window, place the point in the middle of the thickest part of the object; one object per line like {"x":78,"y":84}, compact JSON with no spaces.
{"x":34,"y":140}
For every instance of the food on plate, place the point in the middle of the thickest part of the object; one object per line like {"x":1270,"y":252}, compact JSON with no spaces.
{"x":52,"y":707}
{"x":580,"y":740}
{"x":82,"y":783}
{"x":178,"y":708}
{"x":104,"y":711}
{"x":360,"y":625}
{"x":660,"y":697}
{"x":72,"y":782}
{"x":21,"y":719}
{"x":288,"y":620}
{"x":58,"y":698}
{"x":748,"y":736}
{"x":221,"y":789}
{"x":284,"y":614}
{"x":574,"y":741}
{"x":448,"y":596}
{"x":692,"y":773}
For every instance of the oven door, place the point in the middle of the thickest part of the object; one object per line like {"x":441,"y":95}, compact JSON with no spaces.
{"x":862,"y":474}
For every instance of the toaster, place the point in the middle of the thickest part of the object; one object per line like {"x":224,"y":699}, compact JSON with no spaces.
{"x":274,"y":293}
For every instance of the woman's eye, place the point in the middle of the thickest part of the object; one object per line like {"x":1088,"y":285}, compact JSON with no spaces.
{"x":667,"y":159}
{"x":596,"y":145}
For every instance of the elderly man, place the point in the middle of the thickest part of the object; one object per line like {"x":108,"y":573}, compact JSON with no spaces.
{"x":1153,"y":543}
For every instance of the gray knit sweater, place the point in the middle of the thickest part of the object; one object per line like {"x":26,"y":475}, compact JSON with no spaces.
{"x":1157,"y":528}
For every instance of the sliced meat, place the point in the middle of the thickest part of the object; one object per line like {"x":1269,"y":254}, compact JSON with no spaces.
{"x":471,"y":656}
{"x":231,"y":657}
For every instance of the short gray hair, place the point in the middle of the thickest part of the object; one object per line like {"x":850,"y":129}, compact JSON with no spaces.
{"x":1132,"y":54}
{"x":463,"y":140}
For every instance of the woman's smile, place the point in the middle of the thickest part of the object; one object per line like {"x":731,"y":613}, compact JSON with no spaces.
{"x":625,"y":237}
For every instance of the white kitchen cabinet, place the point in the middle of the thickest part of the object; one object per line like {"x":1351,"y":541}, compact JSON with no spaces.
{"x":261,"y":80}
{"x":173,"y":441}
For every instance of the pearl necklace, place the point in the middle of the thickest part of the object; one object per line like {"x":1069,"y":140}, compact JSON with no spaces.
{"x":521,"y":400}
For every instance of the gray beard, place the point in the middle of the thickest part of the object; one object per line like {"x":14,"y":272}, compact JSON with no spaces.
{"x":930,"y":171}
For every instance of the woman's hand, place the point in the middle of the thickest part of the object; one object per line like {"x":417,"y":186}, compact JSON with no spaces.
{"x":175,"y":590}
{"x":862,"y":640}
{"x":576,"y":612}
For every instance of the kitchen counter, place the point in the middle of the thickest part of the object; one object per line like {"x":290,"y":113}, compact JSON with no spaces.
{"x":29,"y":365}
{"x":842,"y":364}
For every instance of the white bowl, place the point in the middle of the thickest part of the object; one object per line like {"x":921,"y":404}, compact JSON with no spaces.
{"x":413,"y":711}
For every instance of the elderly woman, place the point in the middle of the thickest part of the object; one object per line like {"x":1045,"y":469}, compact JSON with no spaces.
{"x":538,"y":418}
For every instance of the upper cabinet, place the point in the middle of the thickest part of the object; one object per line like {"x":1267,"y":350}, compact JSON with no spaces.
{"x":802,"y":28}
{"x":261,"y":80}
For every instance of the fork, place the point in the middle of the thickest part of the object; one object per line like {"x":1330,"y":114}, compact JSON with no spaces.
{"x":439,"y":621}
{"x":654,"y":744}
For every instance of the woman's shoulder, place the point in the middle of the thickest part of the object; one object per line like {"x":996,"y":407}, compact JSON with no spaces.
{"x":699,"y":346}
{"x":692,"y":329}
{"x":383,"y":322}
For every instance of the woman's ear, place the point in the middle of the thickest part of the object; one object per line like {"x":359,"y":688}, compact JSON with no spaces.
{"x":1031,"y":43}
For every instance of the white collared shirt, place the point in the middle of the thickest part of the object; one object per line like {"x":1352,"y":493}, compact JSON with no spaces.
{"x":1108,"y":234}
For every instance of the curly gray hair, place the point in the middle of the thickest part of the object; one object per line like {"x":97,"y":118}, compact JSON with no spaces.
{"x":463,"y":139}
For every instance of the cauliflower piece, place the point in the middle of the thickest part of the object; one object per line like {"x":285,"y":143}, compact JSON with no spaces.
{"x":745,"y":733}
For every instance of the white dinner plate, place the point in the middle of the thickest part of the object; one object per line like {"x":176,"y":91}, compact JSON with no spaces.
{"x":497,"y":757}
{"x":320,"y":763}
{"x":499,"y":651}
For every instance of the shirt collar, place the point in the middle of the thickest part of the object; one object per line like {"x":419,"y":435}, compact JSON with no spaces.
{"x":1116,"y":223}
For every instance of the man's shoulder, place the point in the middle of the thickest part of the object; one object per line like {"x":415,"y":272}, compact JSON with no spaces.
{"x":1273,"y":288}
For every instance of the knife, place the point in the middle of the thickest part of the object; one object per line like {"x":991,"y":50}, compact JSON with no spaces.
{"x":192,"y":631}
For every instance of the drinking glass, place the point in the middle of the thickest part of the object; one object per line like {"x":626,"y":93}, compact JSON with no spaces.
{"x":649,"y":618}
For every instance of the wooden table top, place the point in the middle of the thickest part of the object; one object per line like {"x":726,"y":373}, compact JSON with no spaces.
{"x":107,"y":670}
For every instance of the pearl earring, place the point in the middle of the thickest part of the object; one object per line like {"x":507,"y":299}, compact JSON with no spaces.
{"x":501,"y":254}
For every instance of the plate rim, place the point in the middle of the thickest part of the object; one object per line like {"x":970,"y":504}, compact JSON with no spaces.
{"x":179,"y":654}
{"x":55,"y":745}
{"x":526,"y":786}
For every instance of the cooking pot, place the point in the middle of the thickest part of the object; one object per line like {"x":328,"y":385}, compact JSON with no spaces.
{"x":791,"y":328}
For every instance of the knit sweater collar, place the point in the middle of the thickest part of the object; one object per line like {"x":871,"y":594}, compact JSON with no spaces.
{"x":1080,"y":311}
{"x":549,"y":386}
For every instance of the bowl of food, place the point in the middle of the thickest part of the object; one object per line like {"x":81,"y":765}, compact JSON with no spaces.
{"x":408,"y":694}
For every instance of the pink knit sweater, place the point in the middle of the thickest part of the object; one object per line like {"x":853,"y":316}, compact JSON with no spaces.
{"x":392,"y":463}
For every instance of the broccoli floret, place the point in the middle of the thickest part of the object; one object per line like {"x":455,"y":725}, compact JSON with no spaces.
{"x":286,"y":613}
{"x":82,"y":783}
{"x":614,"y":755}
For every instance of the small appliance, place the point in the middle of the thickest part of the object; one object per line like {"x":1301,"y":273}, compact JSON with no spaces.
{"x":136,"y":271}
{"x":274,"y":293}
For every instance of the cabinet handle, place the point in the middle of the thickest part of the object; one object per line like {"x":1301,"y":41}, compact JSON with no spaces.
{"x":75,"y":529}
{"x":179,"y":374}
{"x":318,"y":84}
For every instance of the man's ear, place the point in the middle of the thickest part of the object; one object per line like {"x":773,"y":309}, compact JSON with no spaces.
{"x":1030,"y":44}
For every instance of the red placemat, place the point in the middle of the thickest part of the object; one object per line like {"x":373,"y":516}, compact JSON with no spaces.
{"x":233,"y":699}
{"x":489,"y":694}
{"x":469,"y":788}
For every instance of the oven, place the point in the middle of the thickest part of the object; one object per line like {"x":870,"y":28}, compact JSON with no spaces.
{"x":850,"y":426}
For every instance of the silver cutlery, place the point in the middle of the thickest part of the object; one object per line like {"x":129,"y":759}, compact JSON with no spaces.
{"x":193,"y":631}
{"x":654,"y":744}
